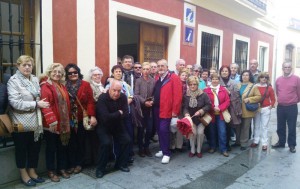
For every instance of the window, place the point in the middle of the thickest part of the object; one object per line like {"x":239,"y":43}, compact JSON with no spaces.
{"x":263,"y":56}
{"x":241,"y":54}
{"x":210,"y":50}
{"x":289,"y":52}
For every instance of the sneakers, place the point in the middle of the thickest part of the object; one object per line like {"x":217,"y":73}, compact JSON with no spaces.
{"x":165,"y":160}
{"x":159,"y":154}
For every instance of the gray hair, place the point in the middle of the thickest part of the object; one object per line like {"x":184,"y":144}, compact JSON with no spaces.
{"x":197,"y":67}
{"x":94,"y":69}
{"x":235,"y":65}
{"x":177,"y":62}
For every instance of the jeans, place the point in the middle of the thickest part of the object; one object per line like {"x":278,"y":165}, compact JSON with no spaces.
{"x":287,"y":115}
{"x":144,"y":138}
{"x":217,"y":131}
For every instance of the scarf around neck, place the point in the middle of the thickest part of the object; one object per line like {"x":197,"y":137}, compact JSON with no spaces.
{"x":193,"y":94}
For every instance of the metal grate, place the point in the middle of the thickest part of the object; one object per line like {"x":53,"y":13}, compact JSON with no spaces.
{"x":210,"y":50}
{"x":153,"y":51}
{"x":241,"y":54}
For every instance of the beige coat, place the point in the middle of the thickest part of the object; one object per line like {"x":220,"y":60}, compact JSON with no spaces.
{"x":254,"y":97}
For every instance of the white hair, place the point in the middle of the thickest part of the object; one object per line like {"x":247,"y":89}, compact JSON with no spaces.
{"x":94,"y":69}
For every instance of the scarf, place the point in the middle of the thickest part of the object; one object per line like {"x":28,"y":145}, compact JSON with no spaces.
{"x":215,"y":91}
{"x":73,"y":89}
{"x":98,"y":89}
{"x":193,"y":95}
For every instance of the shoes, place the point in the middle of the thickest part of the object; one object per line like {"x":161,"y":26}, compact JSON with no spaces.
{"x":277,"y":145}
{"x":99,"y":173}
{"x":131,"y":160}
{"x":159,"y":154}
{"x":293,"y":149}
{"x":253,"y":145}
{"x":124,"y":169}
{"x":228,"y":148}
{"x":77,"y":169}
{"x":264,"y":147}
{"x":191,"y":155}
{"x":233,"y":139}
{"x":64,"y":174}
{"x":235,"y":145}
{"x":147,"y":152}
{"x":225,"y":154}
{"x":173,"y":151}
{"x":141,"y":153}
{"x":211,"y":151}
{"x":38,"y":180}
{"x":30,"y":182}
{"x":53,"y":177}
{"x":180,"y":150}
{"x":243,"y":148}
{"x":153,"y":139}
{"x":70,"y":171}
{"x":165,"y":160}
{"x":199,"y":155}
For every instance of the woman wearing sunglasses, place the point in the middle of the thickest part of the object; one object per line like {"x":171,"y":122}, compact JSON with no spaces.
{"x":262,"y":118}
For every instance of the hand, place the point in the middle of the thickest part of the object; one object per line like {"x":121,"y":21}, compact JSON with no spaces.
{"x":197,"y":113}
{"x":216,"y":109}
{"x":246,"y":100}
{"x":174,"y":115}
{"x":148,"y":103}
{"x":93,"y":121}
{"x":129,"y":100}
{"x":121,"y":112}
{"x":185,"y":115}
{"x":43,"y":104}
{"x":53,"y":129}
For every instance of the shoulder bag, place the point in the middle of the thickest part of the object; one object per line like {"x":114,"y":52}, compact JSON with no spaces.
{"x":251,"y":106}
{"x":86,"y":120}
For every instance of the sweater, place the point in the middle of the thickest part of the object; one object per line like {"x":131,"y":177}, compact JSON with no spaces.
{"x":288,"y":90}
{"x":269,"y":98}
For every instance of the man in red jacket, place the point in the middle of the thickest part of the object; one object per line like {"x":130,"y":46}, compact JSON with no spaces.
{"x":167,"y":104}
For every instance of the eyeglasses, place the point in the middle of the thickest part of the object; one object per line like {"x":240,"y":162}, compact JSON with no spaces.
{"x":71,"y":73}
{"x":97,"y":75}
{"x":153,"y":66}
{"x":56,"y":72}
{"x":193,"y":84}
{"x":137,"y":67}
{"x":196,"y":70}
{"x":266,"y":77}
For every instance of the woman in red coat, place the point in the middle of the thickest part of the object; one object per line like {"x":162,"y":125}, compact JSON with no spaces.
{"x":56,"y":120}
{"x":220,"y":101}
{"x":81,"y":97}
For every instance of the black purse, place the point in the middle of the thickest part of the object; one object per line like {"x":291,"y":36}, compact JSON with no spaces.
{"x":251,"y":106}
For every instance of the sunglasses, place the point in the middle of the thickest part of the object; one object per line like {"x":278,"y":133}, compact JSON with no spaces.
{"x":266,"y":77}
{"x":71,"y":73}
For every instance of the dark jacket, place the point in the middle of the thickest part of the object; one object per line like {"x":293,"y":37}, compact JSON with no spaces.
{"x":3,"y":98}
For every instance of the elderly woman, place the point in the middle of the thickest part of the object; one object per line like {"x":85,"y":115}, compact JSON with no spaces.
{"x":144,"y":87}
{"x":95,"y":75}
{"x":24,"y":99}
{"x":219,"y":98}
{"x":56,"y":121}
{"x":249,"y":94}
{"x":81,"y":98}
{"x":196,"y":103}
{"x":262,"y":117}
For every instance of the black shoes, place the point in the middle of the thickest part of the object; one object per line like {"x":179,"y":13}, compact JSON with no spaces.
{"x":30,"y":182}
{"x":243,"y":148}
{"x":99,"y":173}
{"x":38,"y":180}
{"x":277,"y":145}
{"x":124,"y":169}
{"x":130,"y":160}
{"x":293,"y":149}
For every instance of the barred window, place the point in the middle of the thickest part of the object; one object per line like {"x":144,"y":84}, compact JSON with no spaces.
{"x":241,"y":54}
{"x":210,"y":50}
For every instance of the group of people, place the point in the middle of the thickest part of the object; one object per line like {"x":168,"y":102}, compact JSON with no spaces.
{"x":147,"y":97}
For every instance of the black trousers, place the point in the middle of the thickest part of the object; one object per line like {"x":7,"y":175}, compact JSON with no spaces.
{"x":105,"y":135}
{"x":55,"y":150}
{"x":26,"y":150}
{"x":76,"y":147}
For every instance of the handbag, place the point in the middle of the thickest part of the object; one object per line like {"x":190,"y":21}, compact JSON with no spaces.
{"x":226,"y":116}
{"x":6,"y":126}
{"x":251,"y":106}
{"x":86,"y":121}
{"x":205,"y":119}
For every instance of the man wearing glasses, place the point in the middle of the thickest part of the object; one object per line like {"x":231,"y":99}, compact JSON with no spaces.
{"x":288,"y":95}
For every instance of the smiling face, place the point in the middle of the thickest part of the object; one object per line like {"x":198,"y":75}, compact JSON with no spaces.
{"x":96,"y":76}
{"x":127,"y":63}
{"x":56,"y":74}
{"x":245,"y":77}
{"x":287,"y":68}
{"x":225,"y":73}
{"x":233,"y":69}
{"x":72,"y":74}
{"x":117,"y":74}
{"x":183,"y":76}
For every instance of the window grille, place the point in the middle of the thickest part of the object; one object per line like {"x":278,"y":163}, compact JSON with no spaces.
{"x":241,"y":54}
{"x":210,"y":50}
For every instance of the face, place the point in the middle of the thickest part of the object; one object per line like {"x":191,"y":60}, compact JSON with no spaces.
{"x":56,"y":74}
{"x":72,"y":74}
{"x":233,"y":69}
{"x":193,"y":86}
{"x":180,"y":65}
{"x":26,"y":68}
{"x":196,"y":73}
{"x":153,"y":68}
{"x":190,"y":68}
{"x":117,"y":74}
{"x":215,"y":81}
{"x":115,"y":91}
{"x":127,"y":63}
{"x":264,"y":79}
{"x":225,"y":73}
{"x":96,"y":76}
{"x":162,"y":68}
{"x":245,"y":77}
{"x":137,"y":68}
{"x":287,"y":69}
{"x":183,"y":76}
{"x":253,"y":65}
{"x":146,"y":70}
{"x":204,"y":75}
{"x":212,"y":72}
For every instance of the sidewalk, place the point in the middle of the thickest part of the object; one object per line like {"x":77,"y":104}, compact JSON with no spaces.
{"x":252,"y":168}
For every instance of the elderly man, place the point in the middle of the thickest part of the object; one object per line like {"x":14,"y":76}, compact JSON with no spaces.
{"x":180,"y":63}
{"x":167,"y":103}
{"x":253,"y":68}
{"x":234,"y":68}
{"x":111,"y":109}
{"x":288,"y":95}
{"x":153,"y":69}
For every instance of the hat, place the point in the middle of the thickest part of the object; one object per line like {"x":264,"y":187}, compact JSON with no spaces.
{"x":186,"y":126}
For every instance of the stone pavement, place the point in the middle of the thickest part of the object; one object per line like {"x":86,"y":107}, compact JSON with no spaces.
{"x":252,"y":168}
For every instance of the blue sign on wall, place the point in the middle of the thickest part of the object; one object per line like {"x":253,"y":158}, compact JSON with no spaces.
{"x":189,"y":35}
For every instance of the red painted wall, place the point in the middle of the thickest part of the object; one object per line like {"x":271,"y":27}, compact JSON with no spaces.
{"x":64,"y":31}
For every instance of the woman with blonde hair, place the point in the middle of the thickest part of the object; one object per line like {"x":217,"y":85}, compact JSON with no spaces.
{"x":56,"y":121}
{"x":262,"y":118}
{"x":196,"y":103}
{"x":25,"y":104}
